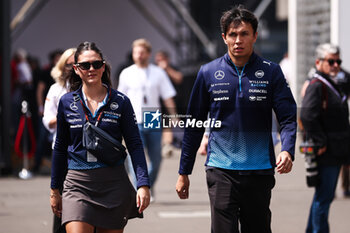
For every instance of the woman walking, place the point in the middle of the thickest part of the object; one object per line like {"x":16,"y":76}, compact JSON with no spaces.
{"x":95,"y":194}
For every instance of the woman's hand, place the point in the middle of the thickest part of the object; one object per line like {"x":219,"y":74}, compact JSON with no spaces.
{"x":143,"y":198}
{"x":56,"y":202}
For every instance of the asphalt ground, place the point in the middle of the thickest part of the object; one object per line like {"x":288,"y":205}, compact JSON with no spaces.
{"x":24,"y":204}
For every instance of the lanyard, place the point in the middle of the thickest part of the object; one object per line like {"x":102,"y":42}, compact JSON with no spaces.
{"x":144,"y":87}
{"x":100,"y":109}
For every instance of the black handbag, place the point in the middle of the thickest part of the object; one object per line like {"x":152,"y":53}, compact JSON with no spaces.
{"x":99,"y":143}
{"x":102,"y":145}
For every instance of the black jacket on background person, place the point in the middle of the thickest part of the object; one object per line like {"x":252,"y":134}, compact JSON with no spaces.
{"x":324,"y":115}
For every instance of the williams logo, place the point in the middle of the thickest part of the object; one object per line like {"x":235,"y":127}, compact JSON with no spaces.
{"x":259,"y":74}
{"x":114,"y":106}
{"x":219,"y":74}
{"x":151,"y":119}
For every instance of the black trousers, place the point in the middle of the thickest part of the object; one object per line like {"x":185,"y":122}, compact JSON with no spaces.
{"x":239,"y":203}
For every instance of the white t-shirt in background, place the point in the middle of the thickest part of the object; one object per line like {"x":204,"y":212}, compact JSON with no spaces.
{"x":151,"y":83}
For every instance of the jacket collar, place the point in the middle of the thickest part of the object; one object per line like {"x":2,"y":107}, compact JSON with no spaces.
{"x":328,"y":78}
{"x":250,"y":61}
{"x":78,"y":96}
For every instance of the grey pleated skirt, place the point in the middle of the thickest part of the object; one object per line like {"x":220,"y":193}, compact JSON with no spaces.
{"x":102,"y":197}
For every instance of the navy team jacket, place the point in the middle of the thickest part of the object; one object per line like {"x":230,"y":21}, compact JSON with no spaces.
{"x":243,"y":101}
{"x":117,"y":119}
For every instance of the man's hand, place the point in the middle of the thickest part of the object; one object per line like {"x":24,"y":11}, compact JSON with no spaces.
{"x":204,"y":145}
{"x":182,"y":186}
{"x":284,"y":162}
{"x":143,"y":198}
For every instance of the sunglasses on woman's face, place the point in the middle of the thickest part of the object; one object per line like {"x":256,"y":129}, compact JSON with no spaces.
{"x":86,"y":65}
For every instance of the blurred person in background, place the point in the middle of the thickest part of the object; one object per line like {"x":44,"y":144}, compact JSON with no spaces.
{"x":36,"y":73}
{"x":60,"y":73}
{"x":126,"y":63}
{"x":22,"y":85}
{"x":95,"y":194}
{"x":145,"y":84}
{"x":46,"y":80}
{"x":44,"y":83}
{"x":325,"y":118}
{"x":285,"y":66}
{"x":162,"y":59}
{"x":342,"y":79}
{"x":170,"y":136}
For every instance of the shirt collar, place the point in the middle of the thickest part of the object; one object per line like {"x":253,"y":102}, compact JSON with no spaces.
{"x":251,"y":58}
{"x":100,"y":104}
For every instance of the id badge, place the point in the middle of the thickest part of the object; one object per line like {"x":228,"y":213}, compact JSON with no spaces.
{"x":91,"y":157}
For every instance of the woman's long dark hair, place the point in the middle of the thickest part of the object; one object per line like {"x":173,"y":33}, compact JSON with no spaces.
{"x":74,"y":79}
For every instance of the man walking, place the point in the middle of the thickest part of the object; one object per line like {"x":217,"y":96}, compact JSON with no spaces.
{"x":324,"y":115}
{"x":145,"y":84}
{"x":240,"y":89}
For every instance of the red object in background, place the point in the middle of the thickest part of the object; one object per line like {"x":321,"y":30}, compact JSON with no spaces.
{"x":22,"y":123}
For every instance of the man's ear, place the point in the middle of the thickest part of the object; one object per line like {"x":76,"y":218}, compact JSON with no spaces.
{"x":317,"y":63}
{"x":255,"y":36}
{"x":223,"y":37}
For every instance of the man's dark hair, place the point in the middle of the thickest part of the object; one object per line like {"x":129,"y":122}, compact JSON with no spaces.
{"x":237,"y":15}
{"x":74,"y":80}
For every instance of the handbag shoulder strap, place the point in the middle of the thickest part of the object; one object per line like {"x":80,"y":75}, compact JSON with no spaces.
{"x":76,"y":96}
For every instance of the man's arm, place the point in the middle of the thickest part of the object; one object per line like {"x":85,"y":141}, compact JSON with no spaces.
{"x":197,"y":109}
{"x":311,"y":113}
{"x":204,"y":144}
{"x":175,"y":75}
{"x":170,"y":106}
{"x":285,"y":108}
